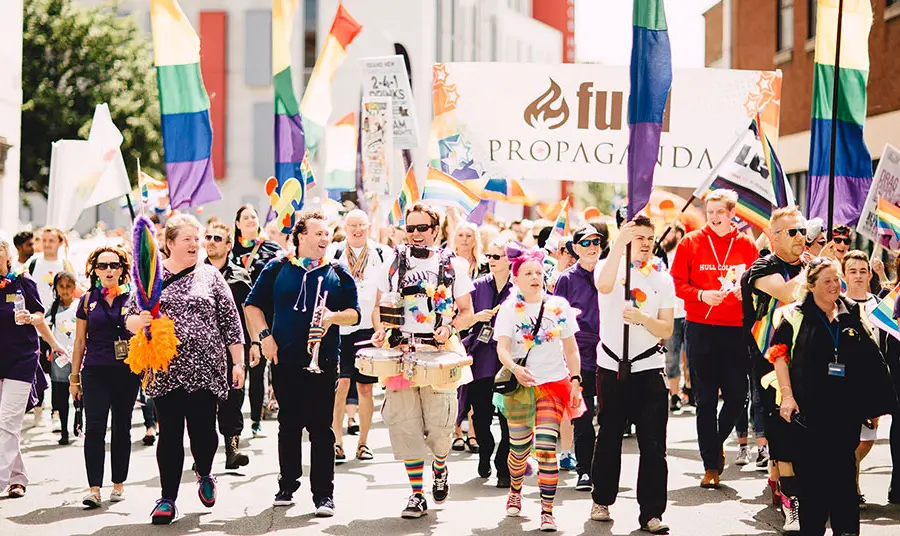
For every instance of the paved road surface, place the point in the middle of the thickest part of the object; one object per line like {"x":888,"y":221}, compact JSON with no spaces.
{"x":370,"y":496}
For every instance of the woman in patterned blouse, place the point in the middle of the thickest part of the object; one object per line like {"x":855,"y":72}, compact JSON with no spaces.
{"x":197,"y":298}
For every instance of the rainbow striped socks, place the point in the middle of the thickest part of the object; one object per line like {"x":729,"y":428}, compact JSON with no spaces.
{"x":439,"y":464}
{"x":414,"y":470}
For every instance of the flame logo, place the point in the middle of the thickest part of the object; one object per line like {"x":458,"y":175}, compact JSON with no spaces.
{"x":541,"y":111}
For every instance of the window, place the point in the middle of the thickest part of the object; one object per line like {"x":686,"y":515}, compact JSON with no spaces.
{"x":813,"y":7}
{"x":439,"y":31}
{"x":258,"y":47}
{"x":310,"y":20}
{"x":785,"y":37}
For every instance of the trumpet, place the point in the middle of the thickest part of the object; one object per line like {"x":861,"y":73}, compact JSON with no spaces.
{"x":316,"y":332}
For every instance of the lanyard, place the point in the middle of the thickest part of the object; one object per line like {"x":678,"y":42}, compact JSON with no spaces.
{"x":835,"y":335}
{"x":716,"y":255}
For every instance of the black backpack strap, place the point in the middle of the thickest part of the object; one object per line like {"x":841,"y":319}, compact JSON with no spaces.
{"x":337,"y":253}
{"x":32,"y":264}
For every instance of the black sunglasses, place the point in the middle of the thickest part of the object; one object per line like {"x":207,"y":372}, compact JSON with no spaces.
{"x":215,"y":238}
{"x":495,"y":257}
{"x":422,"y":227}
{"x":841,"y":240}
{"x":588,"y":243}
{"x":793,"y":232}
{"x":108,"y":265}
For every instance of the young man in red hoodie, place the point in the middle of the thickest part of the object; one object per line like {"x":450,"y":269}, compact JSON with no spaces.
{"x":707,"y":269}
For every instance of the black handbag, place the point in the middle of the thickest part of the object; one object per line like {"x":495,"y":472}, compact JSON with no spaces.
{"x":505,"y":381}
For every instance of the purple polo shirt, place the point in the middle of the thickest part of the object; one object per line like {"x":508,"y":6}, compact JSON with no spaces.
{"x":19,"y":358}
{"x":576,"y":285}
{"x":105,"y":325}
{"x":484,"y":355}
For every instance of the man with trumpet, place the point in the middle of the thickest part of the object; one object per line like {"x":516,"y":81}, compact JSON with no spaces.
{"x":301,"y":298}
{"x":434,"y":293}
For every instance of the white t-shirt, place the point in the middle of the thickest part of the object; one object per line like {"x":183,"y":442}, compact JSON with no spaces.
{"x":63,"y":329}
{"x":679,"y":303}
{"x":651,"y":293}
{"x":367,"y":287}
{"x":546,"y":361}
{"x":426,"y":270}
{"x":43,"y":273}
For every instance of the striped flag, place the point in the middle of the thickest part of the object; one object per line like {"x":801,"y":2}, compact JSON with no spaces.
{"x":776,"y":172}
{"x":316,"y":105}
{"x":651,"y":79}
{"x":290,"y":144}
{"x":853,"y":163}
{"x":882,"y":316}
{"x":445,"y":190}
{"x":340,"y":161}
{"x":409,"y":194}
{"x":562,"y":220}
{"x":184,"y":107}
{"x":888,"y":215}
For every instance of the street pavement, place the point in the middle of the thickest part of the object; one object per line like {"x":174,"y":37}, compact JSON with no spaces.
{"x":370,"y":495}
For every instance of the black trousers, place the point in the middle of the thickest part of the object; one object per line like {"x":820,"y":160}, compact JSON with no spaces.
{"x":257,"y":389}
{"x":480,"y":395}
{"x":108,"y":390}
{"x":59,"y":400}
{"x":176,"y":409}
{"x":231,"y":419}
{"x":719,"y":360}
{"x":305,"y":400}
{"x":829,"y":493}
{"x":894,"y":364}
{"x":642,"y":399}
{"x":585,"y":437}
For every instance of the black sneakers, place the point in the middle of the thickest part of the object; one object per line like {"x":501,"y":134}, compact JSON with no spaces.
{"x":283,"y":498}
{"x":675,"y":404}
{"x":415,"y":508}
{"x":440,"y":489}
{"x":584,"y":483}
{"x":324,"y":507}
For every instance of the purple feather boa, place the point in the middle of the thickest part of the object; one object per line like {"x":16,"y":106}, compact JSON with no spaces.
{"x":148,"y":299}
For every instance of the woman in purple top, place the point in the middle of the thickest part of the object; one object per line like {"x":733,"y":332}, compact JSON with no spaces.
{"x":18,"y":365}
{"x":100,"y":377}
{"x":490,"y":291}
{"x":197,"y":298}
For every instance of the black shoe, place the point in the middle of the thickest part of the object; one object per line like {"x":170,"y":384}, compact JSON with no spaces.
{"x":352,"y":427}
{"x":690,"y":396}
{"x":64,"y":440}
{"x":149,"y":440}
{"x":233,"y":457}
{"x":440,"y":489}
{"x":324,"y":507}
{"x":675,"y":404}
{"x":484,"y":468}
{"x":584,"y":483}
{"x":503,"y":482}
{"x":415,"y":508}
{"x":283,"y":498}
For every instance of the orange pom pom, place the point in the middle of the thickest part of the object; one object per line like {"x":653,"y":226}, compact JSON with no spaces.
{"x":776,"y":352}
{"x":148,"y":357}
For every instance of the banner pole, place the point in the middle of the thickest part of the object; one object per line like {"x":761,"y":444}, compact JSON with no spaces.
{"x":834,"y":111}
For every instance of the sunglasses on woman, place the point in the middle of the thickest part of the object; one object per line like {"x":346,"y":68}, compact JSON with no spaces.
{"x":495,"y":257}
{"x":841,"y":240}
{"x":422,"y":227}
{"x":101,"y":266}
{"x":218,"y":239}
{"x":588,"y":243}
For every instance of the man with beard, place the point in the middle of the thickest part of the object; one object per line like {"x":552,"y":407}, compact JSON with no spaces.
{"x":708,"y":264}
{"x":231,"y":421}
{"x":286,"y":297}
{"x":433,"y":283}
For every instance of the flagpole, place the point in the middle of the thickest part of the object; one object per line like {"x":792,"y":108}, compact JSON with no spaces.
{"x":834,"y":111}
{"x":139,"y":185}
{"x":624,"y":356}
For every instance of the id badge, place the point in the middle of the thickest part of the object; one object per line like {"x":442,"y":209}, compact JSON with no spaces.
{"x":121,"y":348}
{"x":485,"y":334}
{"x":837,"y":370}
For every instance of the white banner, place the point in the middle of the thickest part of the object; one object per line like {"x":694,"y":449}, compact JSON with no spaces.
{"x":377,"y":145}
{"x":387,"y":77}
{"x":885,"y":184}
{"x":570,"y":121}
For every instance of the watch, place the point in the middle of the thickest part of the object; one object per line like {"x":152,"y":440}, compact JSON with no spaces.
{"x":576,"y":377}
{"x":264,"y":333}
{"x":256,"y":343}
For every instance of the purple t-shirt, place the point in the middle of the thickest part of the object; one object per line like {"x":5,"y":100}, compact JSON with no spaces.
{"x":105,"y":326}
{"x":485,"y":363}
{"x":19,"y":358}
{"x":576,"y":285}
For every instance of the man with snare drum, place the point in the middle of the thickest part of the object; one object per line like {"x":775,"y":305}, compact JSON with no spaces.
{"x":434,"y":291}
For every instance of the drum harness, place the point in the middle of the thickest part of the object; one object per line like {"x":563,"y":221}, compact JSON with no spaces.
{"x":446,"y":277}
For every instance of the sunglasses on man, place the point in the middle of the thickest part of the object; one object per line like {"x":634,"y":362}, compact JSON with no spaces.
{"x":102,"y":266}
{"x":218,"y":239}
{"x":422,"y":228}
{"x":495,"y":257}
{"x":794,"y":232}
{"x":841,"y":240}
{"x":586,"y":243}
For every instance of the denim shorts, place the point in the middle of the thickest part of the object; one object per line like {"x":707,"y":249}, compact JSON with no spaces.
{"x":674,"y":345}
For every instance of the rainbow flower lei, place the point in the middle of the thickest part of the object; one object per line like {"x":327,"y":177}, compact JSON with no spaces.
{"x":116,"y":291}
{"x":526,"y":326}
{"x":11,"y":276}
{"x":250,"y":243}
{"x":440,"y":296}
{"x":305,"y":262}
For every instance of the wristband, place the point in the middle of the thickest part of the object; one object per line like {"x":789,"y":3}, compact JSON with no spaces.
{"x":513,"y":367}
{"x":700,"y":296}
{"x":576,"y":377}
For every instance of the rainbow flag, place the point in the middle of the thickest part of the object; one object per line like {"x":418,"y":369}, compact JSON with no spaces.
{"x":853,"y":163}
{"x":445,"y":190}
{"x":184,"y":107}
{"x":651,"y":79}
{"x":562,"y":220}
{"x":340,"y":162}
{"x":290,"y":144}
{"x":776,"y":172}
{"x":409,"y":194}
{"x":882,"y":316}
{"x":888,"y":215}
{"x":316,"y":105}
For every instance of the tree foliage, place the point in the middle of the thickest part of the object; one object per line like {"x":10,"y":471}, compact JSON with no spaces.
{"x":76,"y":57}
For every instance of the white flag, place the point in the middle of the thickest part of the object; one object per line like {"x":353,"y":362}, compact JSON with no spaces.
{"x":86,"y":173}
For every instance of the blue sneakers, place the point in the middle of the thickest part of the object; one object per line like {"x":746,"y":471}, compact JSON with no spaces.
{"x":567,"y":461}
{"x":207,"y":490}
{"x":163,"y":513}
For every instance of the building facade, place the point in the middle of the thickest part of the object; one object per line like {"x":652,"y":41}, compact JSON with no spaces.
{"x":11,"y":15}
{"x":780,"y":34}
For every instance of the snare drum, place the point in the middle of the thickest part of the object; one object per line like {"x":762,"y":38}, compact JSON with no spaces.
{"x":379,"y":362}
{"x":437,"y":367}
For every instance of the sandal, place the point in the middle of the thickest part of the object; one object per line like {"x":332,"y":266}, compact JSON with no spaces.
{"x":472,"y":444}
{"x":363,"y":452}
{"x":352,"y":427}
{"x":16,"y":491}
{"x":459,"y":444}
